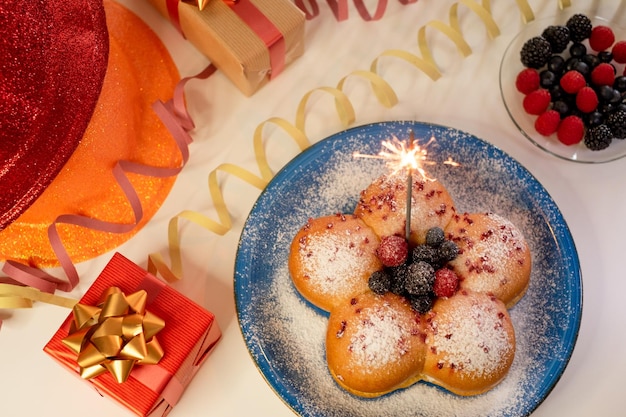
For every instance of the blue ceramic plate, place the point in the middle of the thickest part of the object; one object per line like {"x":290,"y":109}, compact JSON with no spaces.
{"x":285,"y":334}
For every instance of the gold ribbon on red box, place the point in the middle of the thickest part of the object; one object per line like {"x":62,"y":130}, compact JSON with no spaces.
{"x":115,"y":335}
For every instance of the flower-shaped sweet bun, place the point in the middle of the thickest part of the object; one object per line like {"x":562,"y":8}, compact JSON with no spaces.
{"x":379,"y":341}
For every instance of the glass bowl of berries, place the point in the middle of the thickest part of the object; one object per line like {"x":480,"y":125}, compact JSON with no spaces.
{"x":563,"y":82}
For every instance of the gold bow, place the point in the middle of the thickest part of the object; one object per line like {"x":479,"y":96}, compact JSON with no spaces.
{"x":199,"y":3}
{"x":115,"y":335}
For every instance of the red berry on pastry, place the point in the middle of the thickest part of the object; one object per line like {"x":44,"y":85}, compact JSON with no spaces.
{"x":393,"y":250}
{"x":446,"y":282}
{"x":601,"y":39}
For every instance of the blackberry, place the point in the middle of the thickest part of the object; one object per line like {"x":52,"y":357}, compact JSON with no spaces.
{"x":398,"y":278}
{"x":379,"y":282}
{"x":425,"y":253}
{"x":598,"y":138}
{"x":579,"y":27}
{"x":617,"y":123}
{"x":557,"y":36}
{"x":447,"y":251}
{"x":421,"y":304}
{"x":435,"y":236}
{"x":535,"y":52}
{"x":420,"y":277}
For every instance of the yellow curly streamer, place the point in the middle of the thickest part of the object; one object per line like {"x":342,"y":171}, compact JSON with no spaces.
{"x":345,"y":111}
{"x":17,"y":296}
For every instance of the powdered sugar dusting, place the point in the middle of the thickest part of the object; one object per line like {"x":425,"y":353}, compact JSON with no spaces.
{"x":473,"y":337}
{"x":285,"y":334}
{"x":334,"y":263}
{"x":379,"y":338}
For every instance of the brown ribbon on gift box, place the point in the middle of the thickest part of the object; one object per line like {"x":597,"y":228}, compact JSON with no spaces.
{"x":264,"y":28}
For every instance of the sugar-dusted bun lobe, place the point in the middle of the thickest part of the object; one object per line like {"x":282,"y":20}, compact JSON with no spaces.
{"x":471,"y":343}
{"x":332,"y":257}
{"x":494,"y":256}
{"x":375,"y":344}
{"x":382,"y":205}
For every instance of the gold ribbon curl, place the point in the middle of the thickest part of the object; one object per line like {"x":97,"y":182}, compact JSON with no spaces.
{"x":115,"y":335}
{"x":384,"y":93}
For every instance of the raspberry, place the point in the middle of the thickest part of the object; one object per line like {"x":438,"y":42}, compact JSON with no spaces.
{"x":571,"y":130}
{"x":619,"y":52}
{"x":586,"y":100}
{"x":548,"y":122}
{"x":537,"y":102}
{"x":392,"y":251}
{"x":572,"y":81}
{"x":446,"y":282}
{"x":527,"y":80}
{"x":601,"y":39}
{"x":603,"y":74}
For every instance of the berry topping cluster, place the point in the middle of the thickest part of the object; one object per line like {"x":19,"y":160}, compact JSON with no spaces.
{"x":420,"y":275}
{"x":574,"y":81}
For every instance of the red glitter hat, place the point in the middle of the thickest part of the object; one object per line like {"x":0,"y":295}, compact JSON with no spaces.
{"x":53,"y":59}
{"x":80,"y":79}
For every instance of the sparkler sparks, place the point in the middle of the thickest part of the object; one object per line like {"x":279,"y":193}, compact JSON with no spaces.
{"x":411,"y":157}
{"x":399,"y":156}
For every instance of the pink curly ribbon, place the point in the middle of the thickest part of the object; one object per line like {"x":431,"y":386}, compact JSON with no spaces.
{"x":177,"y":120}
{"x":340,"y":9}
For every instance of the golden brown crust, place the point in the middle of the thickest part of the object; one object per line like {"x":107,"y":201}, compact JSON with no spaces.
{"x":493,"y":255}
{"x":375,"y":344}
{"x":382,"y":206}
{"x":332,"y":257}
{"x":471,"y":343}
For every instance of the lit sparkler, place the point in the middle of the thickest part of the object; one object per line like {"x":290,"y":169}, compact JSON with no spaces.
{"x":400,"y":156}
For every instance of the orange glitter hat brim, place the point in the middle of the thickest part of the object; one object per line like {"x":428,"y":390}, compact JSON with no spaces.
{"x":123,"y":127}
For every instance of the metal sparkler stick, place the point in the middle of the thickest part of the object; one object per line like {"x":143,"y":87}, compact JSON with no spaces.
{"x":409,"y":192}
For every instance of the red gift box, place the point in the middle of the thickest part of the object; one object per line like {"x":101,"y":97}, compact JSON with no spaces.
{"x":189,"y":335}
